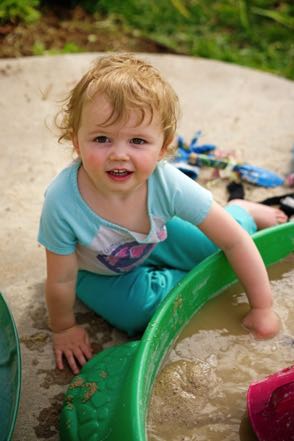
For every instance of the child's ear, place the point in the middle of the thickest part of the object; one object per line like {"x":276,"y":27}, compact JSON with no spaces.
{"x":164,"y":148}
{"x":162,"y":152}
{"x":75,"y":143}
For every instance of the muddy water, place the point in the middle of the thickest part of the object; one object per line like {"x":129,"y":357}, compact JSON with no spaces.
{"x":200,"y":393}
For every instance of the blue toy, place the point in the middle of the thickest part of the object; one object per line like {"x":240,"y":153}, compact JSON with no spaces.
{"x":199,"y":156}
{"x":184,"y":152}
{"x":259,"y":176}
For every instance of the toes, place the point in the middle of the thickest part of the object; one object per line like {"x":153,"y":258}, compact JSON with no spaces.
{"x":281,"y":216}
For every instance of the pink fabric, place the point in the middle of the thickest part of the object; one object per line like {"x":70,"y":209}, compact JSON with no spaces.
{"x":270,"y":405}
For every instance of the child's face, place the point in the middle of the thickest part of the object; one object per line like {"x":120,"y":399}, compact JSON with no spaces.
{"x":121,"y":156}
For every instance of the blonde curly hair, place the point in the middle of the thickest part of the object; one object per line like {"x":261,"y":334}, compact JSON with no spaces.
{"x":128,"y":83}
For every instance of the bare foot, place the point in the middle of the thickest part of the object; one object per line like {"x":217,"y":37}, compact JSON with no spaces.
{"x":263,"y":215}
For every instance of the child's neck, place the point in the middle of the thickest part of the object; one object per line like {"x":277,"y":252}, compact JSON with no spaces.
{"x":127,"y":210}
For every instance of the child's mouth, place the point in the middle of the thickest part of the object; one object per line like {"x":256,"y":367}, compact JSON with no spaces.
{"x":119,"y":173}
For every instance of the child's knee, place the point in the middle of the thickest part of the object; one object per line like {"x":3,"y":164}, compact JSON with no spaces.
{"x":148,"y":293}
{"x":142,"y":301}
{"x":242,"y":216}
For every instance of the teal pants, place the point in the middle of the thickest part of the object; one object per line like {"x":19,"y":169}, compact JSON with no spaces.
{"x":128,"y":301}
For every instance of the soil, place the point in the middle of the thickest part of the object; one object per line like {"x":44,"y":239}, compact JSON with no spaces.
{"x":62,"y":30}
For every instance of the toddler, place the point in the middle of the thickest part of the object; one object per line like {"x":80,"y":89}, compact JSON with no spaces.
{"x":121,"y":226}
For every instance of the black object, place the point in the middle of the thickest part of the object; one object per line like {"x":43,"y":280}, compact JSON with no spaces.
{"x":235,"y":190}
{"x":285,"y":203}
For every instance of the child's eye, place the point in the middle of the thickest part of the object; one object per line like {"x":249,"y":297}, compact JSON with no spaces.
{"x":101,"y":139}
{"x":138,"y":141}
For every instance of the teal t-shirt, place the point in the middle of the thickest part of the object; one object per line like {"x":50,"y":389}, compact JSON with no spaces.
{"x":69,"y":225}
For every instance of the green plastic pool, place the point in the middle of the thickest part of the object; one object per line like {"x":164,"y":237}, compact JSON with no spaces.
{"x":10,"y":372}
{"x":109,"y":399}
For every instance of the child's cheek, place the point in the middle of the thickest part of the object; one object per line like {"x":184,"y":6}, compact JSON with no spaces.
{"x":94,"y":159}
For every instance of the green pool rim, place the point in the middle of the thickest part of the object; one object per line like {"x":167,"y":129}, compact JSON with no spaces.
{"x":274,"y":244}
{"x":16,"y":379}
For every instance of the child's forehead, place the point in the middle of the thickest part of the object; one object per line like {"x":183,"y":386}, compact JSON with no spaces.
{"x":98,"y":102}
{"x":102,"y":110}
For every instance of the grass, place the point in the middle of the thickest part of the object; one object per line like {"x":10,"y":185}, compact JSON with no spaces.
{"x":254,"y":33}
{"x":257,"y":33}
{"x":68,"y":48}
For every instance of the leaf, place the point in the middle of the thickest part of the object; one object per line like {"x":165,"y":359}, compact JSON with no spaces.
{"x":276,"y":16}
{"x":244,"y":13}
{"x":181,"y":8}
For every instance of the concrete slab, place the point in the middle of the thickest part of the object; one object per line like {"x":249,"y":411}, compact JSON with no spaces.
{"x":236,"y":108}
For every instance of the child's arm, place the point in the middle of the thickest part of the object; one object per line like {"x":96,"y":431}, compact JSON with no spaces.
{"x":246,"y":261}
{"x":69,"y":340}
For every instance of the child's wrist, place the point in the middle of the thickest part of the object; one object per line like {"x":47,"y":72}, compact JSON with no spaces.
{"x":268,"y":307}
{"x":61,"y":327}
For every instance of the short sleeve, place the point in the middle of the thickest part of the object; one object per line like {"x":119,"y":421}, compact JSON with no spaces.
{"x":179,"y":195}
{"x":55,"y":233}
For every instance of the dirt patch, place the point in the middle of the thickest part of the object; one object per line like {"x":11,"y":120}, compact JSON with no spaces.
{"x":71,"y":30}
{"x":35,"y":342}
{"x":180,"y":393}
{"x":48,"y":418}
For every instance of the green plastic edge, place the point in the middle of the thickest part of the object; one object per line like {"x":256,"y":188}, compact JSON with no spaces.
{"x":131,"y":397}
{"x":212,"y":275}
{"x":7,"y":429}
{"x":92,"y":398}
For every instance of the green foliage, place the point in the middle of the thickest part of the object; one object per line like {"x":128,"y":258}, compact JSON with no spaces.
{"x":39,"y":48}
{"x":19,"y":10}
{"x":256,"y":33}
{"x":69,"y":48}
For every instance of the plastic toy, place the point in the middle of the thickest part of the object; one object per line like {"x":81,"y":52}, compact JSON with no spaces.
{"x":197,"y":156}
{"x":193,"y":147}
{"x":190,"y":170}
{"x":10,"y":372}
{"x":109,"y":399}
{"x":250,"y":173}
{"x":184,"y":152}
{"x":270,"y":404}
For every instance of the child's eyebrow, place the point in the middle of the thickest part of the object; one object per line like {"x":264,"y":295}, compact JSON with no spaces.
{"x":98,"y":128}
{"x":135,"y":129}
{"x":101,"y":126}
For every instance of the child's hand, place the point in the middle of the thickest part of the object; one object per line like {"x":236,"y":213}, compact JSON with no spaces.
{"x":263,"y":323}
{"x":74,"y":345}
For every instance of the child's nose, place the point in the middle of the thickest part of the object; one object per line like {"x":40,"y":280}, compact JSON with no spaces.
{"x":119,"y":151}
